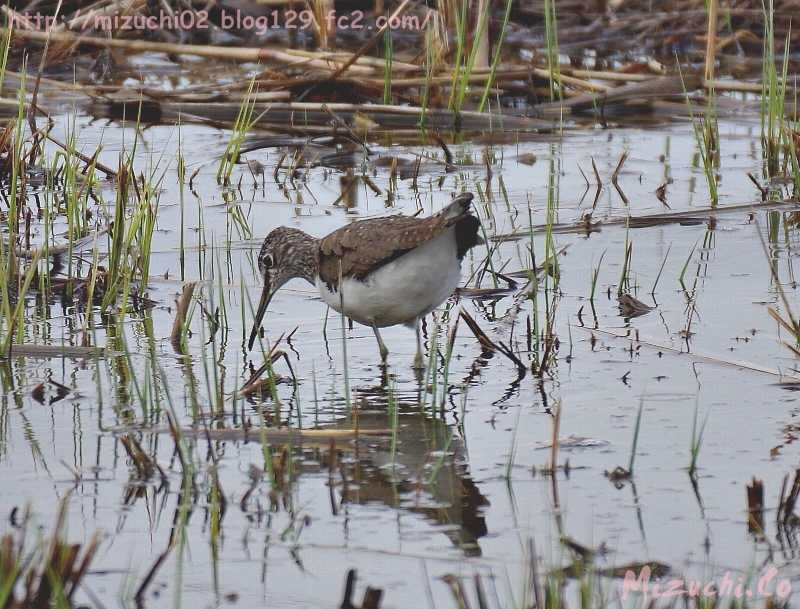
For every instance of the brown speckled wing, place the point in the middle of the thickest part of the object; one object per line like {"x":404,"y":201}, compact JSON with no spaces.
{"x":367,"y":245}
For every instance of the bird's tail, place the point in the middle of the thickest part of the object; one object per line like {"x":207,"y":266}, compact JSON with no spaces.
{"x":467,"y":225}
{"x":459,"y":207}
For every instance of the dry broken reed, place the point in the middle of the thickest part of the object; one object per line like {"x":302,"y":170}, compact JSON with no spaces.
{"x":475,"y":61}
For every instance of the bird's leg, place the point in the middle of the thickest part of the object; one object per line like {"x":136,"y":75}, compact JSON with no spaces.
{"x":419,"y":361}
{"x":381,"y":346}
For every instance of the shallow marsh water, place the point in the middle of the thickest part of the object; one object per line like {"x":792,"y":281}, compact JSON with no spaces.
{"x":451,"y":504}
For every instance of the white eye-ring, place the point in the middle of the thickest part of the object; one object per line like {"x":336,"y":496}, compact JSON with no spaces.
{"x":268,"y":261}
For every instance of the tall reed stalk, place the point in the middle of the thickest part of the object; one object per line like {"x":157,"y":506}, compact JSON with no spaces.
{"x":388,"y":57}
{"x":551,"y":43}
{"x":497,"y":55}
{"x":773,"y":95}
{"x":466,"y":55}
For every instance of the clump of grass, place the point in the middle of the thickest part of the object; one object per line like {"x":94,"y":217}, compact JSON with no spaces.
{"x":13,"y":284}
{"x":144,"y":224}
{"x":244,"y":122}
{"x":14,"y":316}
{"x":706,"y":133}
{"x":117,"y":277}
{"x":75,"y":196}
{"x":773,"y":95}
{"x":131,"y":237}
{"x":465,"y":59}
{"x":47,"y":575}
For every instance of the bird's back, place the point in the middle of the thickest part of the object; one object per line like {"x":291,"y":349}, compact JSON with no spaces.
{"x":362,"y":247}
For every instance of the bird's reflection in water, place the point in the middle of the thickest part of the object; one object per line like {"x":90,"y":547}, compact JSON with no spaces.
{"x":417,"y":479}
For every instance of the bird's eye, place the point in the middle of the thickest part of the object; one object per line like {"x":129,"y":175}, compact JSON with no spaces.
{"x":268,"y":261}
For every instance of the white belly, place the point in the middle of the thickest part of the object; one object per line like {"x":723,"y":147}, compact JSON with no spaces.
{"x":411,"y":286}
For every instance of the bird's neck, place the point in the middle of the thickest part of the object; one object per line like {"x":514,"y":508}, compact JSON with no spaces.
{"x":304,"y":257}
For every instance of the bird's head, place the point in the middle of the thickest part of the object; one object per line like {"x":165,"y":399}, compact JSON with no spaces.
{"x":285,"y":254}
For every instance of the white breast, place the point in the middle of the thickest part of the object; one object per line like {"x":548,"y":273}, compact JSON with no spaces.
{"x":411,"y":286}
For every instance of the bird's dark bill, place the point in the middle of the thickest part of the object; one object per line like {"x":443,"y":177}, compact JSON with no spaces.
{"x":263,"y":303}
